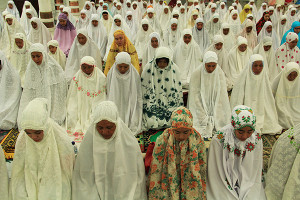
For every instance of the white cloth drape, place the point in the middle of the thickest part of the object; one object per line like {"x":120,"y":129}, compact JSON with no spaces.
{"x":109,"y":169}
{"x":59,"y":55}
{"x":283,"y":173}
{"x":255,"y":91}
{"x":187,"y":57}
{"x":42,"y":170}
{"x":78,"y":51}
{"x":98,"y":34}
{"x":208,"y":99}
{"x":10,"y":94}
{"x":125,"y":91}
{"x":287,"y":96}
{"x":39,"y":35}
{"x":46,"y":80}
{"x":84,"y":94}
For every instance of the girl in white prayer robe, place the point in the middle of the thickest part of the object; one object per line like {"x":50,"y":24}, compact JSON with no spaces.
{"x":87,"y":89}
{"x":165,"y":17}
{"x":227,"y":35}
{"x":20,"y":56}
{"x":172,"y":34}
{"x":27,"y":5}
{"x":253,"y":88}
{"x":264,"y":48}
{"x":125,"y":90}
{"x":234,"y":22}
{"x":82,"y":46}
{"x":26,"y":21}
{"x":154,"y":42}
{"x":213,"y":26}
{"x":10,"y":94}
{"x":235,"y":159}
{"x":281,"y":27}
{"x":4,"y":177}
{"x":132,"y":24}
{"x":109,"y":165}
{"x":106,"y":20}
{"x":39,"y":33}
{"x":142,"y":37}
{"x":153,"y":20}
{"x":12,"y":9}
{"x":7,"y":38}
{"x":237,"y":59}
{"x":44,"y":157}
{"x":187,"y":56}
{"x":200,"y":34}
{"x":97,"y":33}
{"x":269,"y":30}
{"x":44,"y":78}
{"x":282,"y":179}
{"x":56,"y":53}
{"x":286,"y":90}
{"x":83,"y":21}
{"x":208,"y":99}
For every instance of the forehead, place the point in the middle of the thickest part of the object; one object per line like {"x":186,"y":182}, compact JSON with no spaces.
{"x":105,"y":123}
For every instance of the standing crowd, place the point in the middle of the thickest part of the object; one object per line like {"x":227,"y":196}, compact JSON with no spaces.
{"x":126,"y":78}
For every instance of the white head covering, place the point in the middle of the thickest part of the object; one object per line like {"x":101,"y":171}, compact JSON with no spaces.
{"x":20,"y":58}
{"x":10,"y":90}
{"x":71,"y":18}
{"x":85,"y":92}
{"x":172,"y":37}
{"x":82,"y":23}
{"x":42,"y":170}
{"x":78,"y":51}
{"x":263,"y":33}
{"x":92,"y":9}
{"x":255,"y":91}
{"x":98,"y":34}
{"x":235,"y":25}
{"x":126,"y":92}
{"x":107,"y":23}
{"x":132,"y":24}
{"x":25,"y":21}
{"x":7,"y":39}
{"x":281,"y":28}
{"x":287,"y":94}
{"x":237,"y":163}
{"x":142,"y":38}
{"x":164,"y":18}
{"x":59,"y":55}
{"x":212,"y":27}
{"x":46,"y":81}
{"x":149,"y":51}
{"x":208,"y":98}
{"x":269,"y":57}
{"x":290,"y":18}
{"x":261,"y":11}
{"x":109,"y":168}
{"x":228,"y":42}
{"x":39,"y":35}
{"x":237,"y":60}
{"x":284,"y":54}
{"x":165,"y":83}
{"x":252,"y":36}
{"x":201,"y":37}
{"x":25,"y":10}
{"x":187,"y":56}
{"x":222,"y":53}
{"x":14,"y":11}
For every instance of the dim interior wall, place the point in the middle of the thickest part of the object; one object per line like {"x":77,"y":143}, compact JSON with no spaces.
{"x":3,"y":4}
